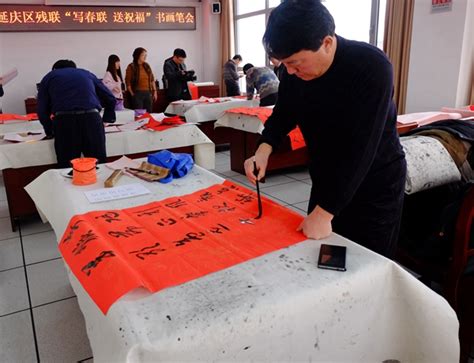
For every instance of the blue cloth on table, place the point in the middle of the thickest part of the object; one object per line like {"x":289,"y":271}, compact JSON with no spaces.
{"x":178,"y":163}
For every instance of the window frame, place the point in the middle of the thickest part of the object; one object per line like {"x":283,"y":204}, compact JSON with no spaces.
{"x":373,"y":27}
{"x":266,"y":11}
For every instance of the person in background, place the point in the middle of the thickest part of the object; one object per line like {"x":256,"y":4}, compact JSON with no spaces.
{"x":75,"y":97}
{"x":113,"y":80}
{"x":278,"y":67}
{"x":176,"y":77}
{"x":339,"y":92}
{"x":140,"y":81}
{"x":231,"y":76}
{"x":264,"y":80}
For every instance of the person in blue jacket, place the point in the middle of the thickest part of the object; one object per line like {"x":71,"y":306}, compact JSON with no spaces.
{"x":69,"y":102}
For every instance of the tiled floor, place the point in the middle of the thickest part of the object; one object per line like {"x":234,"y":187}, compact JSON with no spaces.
{"x":40,"y":319}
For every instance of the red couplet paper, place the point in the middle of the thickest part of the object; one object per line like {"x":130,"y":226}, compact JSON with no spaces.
{"x":170,"y":242}
{"x":263,"y":113}
{"x":164,"y":124}
{"x":11,"y":116}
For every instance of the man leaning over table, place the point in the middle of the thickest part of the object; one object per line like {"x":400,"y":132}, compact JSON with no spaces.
{"x":339,"y":92}
{"x":264,"y":81}
{"x":69,"y":102}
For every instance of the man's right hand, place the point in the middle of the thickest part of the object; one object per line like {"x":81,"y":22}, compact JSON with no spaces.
{"x":261,"y":161}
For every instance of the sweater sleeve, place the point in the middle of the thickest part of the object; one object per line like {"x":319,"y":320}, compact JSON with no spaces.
{"x":128,"y":76}
{"x":280,"y":122}
{"x":342,"y":166}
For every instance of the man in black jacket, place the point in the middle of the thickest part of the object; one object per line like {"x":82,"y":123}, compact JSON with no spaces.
{"x":339,"y":92}
{"x":176,"y":77}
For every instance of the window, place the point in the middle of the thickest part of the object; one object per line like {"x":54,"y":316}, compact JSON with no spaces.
{"x":359,"y":20}
{"x":250,"y":20}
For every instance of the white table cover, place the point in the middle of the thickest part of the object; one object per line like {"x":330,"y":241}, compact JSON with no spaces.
{"x":120,"y":143}
{"x":194,"y":111}
{"x":241,"y":122}
{"x":278,"y":307}
{"x":20,"y":126}
{"x":429,"y":164}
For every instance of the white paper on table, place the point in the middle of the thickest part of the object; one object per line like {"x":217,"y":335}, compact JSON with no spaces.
{"x":120,"y":192}
{"x":26,"y":137}
{"x":135,"y":125}
{"x":202,"y":84}
{"x":424,"y":118}
{"x":7,"y":77}
{"x":158,"y":116}
{"x":122,"y":163}
{"x":111,"y":128}
{"x":465,"y":111}
{"x":183,"y":102}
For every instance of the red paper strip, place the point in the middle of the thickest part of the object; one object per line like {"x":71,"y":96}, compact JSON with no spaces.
{"x":167,"y":243}
{"x":164,"y":124}
{"x":263,"y":113}
{"x":12,"y":116}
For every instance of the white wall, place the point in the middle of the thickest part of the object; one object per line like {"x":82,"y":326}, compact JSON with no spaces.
{"x":34,"y":53}
{"x":435,"y":58}
{"x":466,"y":73}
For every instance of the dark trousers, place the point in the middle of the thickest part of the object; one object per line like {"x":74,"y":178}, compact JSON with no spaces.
{"x":232,"y":88}
{"x":79,"y":134}
{"x":142,"y":100}
{"x":373,"y":219}
{"x":269,"y":100}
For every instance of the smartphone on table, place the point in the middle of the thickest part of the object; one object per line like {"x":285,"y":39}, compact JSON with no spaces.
{"x":332,"y":257}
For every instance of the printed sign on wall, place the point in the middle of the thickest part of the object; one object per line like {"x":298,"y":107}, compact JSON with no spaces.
{"x":441,"y":4}
{"x":15,"y":18}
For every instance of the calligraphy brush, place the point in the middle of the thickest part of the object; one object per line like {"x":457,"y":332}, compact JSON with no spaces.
{"x":255,"y":172}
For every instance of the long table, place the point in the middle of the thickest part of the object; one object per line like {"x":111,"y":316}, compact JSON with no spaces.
{"x":22,"y":163}
{"x":207,"y":113}
{"x":246,"y":130}
{"x":278,"y":307}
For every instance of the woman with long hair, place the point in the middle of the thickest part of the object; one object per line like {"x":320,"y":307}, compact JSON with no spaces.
{"x":113,"y":80}
{"x":140,"y":81}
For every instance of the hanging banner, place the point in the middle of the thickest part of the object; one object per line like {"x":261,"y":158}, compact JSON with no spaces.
{"x":167,"y":243}
{"x":17,"y":18}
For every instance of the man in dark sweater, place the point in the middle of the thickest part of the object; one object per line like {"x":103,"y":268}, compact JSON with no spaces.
{"x":339,"y":92}
{"x":231,"y":76}
{"x":176,"y":77}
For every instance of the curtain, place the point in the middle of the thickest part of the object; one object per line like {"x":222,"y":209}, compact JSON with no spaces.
{"x":397,"y":42}
{"x":472,"y":91}
{"x":226,"y":36}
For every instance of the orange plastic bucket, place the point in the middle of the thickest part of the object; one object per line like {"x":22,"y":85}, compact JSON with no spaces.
{"x":84,"y":172}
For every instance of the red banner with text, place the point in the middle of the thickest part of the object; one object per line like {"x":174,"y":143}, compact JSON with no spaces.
{"x":170,"y":242}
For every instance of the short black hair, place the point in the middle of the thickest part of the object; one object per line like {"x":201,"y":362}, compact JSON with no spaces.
{"x":297,"y":25}
{"x":64,"y":63}
{"x":180,"y":53}
{"x":237,"y":56}
{"x":247,"y":67}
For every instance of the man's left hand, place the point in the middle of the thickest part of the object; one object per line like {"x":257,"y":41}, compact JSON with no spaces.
{"x":317,"y":225}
